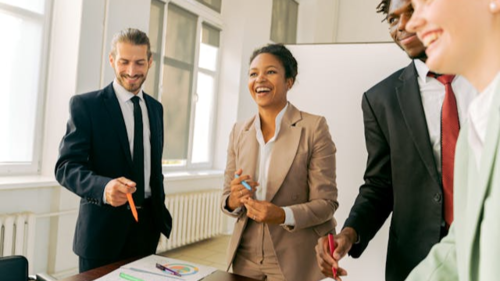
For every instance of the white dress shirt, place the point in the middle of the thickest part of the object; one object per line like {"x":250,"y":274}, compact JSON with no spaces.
{"x":478,"y":119}
{"x":432,"y":93}
{"x":127,"y":107}
{"x":264,"y":158}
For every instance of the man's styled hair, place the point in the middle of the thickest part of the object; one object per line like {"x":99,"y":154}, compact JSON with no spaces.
{"x":383,"y":8}
{"x":132,"y":36}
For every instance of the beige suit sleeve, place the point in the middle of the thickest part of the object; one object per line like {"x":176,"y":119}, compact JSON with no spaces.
{"x":229,"y":174}
{"x":321,"y":182}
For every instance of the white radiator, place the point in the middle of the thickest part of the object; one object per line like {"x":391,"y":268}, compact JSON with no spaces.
{"x":17,"y":235}
{"x":196,"y":216}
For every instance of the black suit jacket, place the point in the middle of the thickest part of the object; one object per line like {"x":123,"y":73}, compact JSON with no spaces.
{"x":95,"y":150}
{"x":401,"y":175}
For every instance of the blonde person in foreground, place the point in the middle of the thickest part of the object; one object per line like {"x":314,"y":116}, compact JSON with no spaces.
{"x":287,"y":157}
{"x":463,"y":37}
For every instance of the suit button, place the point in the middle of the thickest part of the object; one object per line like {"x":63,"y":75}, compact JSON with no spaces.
{"x":437,"y":197}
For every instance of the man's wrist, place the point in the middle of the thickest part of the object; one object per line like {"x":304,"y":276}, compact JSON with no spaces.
{"x":351,"y":234}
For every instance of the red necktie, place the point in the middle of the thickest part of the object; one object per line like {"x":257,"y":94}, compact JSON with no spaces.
{"x":450,"y":126}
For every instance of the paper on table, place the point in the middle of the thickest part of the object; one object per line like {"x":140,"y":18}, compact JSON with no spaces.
{"x":115,"y":276}
{"x":189,"y":271}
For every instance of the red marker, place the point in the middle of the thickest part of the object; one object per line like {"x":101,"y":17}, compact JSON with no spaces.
{"x":331,"y":243}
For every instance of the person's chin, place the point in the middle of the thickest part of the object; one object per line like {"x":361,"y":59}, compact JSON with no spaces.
{"x":416,"y":53}
{"x":438,"y":60}
{"x":438,"y":65}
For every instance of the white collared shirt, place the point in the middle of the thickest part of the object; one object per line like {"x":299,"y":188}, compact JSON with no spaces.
{"x":432,"y":93}
{"x":264,"y":158}
{"x":127,"y":106}
{"x":479,"y":112}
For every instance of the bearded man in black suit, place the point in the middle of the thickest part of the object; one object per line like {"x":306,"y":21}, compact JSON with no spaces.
{"x":113,"y":147}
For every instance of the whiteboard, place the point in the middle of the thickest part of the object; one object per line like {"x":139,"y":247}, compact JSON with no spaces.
{"x":331,"y":82}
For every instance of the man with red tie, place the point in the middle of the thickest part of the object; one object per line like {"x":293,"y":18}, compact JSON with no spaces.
{"x":411,"y":120}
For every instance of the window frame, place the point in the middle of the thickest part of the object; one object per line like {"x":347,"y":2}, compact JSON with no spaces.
{"x":218,"y":10}
{"x":210,"y":17}
{"x":45,"y":20}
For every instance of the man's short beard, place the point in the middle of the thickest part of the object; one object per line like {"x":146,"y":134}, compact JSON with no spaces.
{"x":421,"y":56}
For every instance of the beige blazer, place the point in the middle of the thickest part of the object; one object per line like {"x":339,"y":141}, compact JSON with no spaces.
{"x":301,"y":176}
{"x":471,"y":251}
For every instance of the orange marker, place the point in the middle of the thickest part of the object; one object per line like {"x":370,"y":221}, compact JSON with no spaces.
{"x":132,"y":206}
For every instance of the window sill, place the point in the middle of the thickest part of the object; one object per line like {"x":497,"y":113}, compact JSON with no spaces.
{"x":195,"y":174}
{"x":37,"y":181}
{"x":193,"y":181}
{"x":27,"y":182}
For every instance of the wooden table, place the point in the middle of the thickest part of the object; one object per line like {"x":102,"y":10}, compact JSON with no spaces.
{"x":101,"y":271}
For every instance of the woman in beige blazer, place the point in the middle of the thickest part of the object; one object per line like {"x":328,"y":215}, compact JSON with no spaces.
{"x":287,"y":158}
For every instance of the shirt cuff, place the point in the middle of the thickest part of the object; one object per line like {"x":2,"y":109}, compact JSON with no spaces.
{"x":236,"y":211}
{"x":289,"y":218}
{"x":104,"y":197}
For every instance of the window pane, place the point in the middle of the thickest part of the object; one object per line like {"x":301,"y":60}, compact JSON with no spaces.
{"x":181,"y":34}
{"x":209,"y":48}
{"x":203,"y":118}
{"x":151,"y":86}
{"x":156,"y":25}
{"x":19,"y":98}
{"x":210,"y":35}
{"x":177,"y":81}
{"x":176,"y":100}
{"x":37,"y":6}
{"x":212,"y":4}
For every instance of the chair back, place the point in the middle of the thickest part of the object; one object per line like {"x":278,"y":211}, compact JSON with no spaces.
{"x":13,"y":268}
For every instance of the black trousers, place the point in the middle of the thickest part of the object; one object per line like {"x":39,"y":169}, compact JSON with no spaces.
{"x":142,"y":240}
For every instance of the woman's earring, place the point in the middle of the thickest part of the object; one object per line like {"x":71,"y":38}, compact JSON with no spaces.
{"x":493,"y":6}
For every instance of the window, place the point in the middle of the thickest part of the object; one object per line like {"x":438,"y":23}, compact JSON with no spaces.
{"x":184,"y":75}
{"x":212,"y":4}
{"x":284,"y":21}
{"x":23,"y":76}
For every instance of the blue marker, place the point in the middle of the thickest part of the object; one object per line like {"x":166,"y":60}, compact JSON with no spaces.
{"x":244,"y":183}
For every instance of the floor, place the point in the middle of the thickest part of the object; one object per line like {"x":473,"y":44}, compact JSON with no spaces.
{"x":211,"y":252}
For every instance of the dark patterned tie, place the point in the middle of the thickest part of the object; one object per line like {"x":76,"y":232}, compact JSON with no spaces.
{"x":138,"y":157}
{"x":450,"y":127}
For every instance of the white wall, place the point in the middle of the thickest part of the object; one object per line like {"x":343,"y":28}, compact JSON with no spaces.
{"x":331,"y":81}
{"x":257,"y":31}
{"x":359,"y":22}
{"x":317,"y":21}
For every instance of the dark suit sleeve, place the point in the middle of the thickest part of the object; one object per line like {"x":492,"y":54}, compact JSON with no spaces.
{"x":375,"y":199}
{"x":73,"y":168}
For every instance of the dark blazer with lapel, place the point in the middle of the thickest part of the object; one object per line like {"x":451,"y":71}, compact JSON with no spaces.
{"x":95,"y":150}
{"x":401,"y":175}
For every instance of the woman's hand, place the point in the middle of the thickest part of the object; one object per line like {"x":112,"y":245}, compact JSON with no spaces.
{"x":239,"y":192}
{"x":263,"y":211}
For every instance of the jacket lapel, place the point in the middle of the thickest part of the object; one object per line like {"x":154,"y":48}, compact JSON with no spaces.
{"x":284,"y":151}
{"x":488,"y":158}
{"x":155,"y":142}
{"x":154,"y":128}
{"x":116,"y":118}
{"x":248,"y":149}
{"x":410,"y":101}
